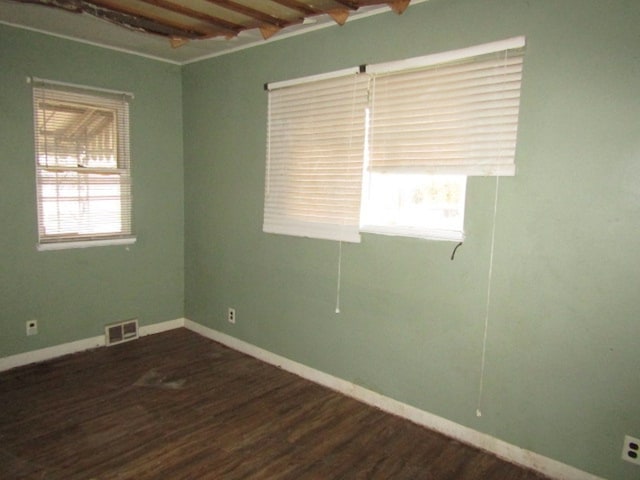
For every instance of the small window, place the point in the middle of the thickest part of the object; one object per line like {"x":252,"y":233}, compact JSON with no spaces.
{"x":83,"y":168}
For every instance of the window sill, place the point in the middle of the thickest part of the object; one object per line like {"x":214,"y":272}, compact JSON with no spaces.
{"x":439,"y":235}
{"x":85,"y":244}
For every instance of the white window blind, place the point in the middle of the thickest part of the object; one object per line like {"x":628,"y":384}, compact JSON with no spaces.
{"x":83,"y":173}
{"x":451,"y":113}
{"x":315,"y":142}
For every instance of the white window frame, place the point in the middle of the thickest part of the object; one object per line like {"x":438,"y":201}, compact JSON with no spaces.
{"x":59,"y":173}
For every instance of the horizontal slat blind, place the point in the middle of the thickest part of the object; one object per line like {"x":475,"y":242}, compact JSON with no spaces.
{"x":315,"y":146}
{"x":459,"y":117}
{"x":82,"y":164}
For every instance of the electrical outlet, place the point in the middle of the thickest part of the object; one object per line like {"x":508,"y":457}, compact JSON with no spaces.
{"x":631,"y":450}
{"x":32,"y":327}
{"x":231,"y":315}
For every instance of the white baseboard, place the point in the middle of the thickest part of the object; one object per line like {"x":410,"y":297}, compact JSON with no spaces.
{"x":507,"y":451}
{"x":48,"y":353}
{"x":502,"y":449}
{"x":161,"y":327}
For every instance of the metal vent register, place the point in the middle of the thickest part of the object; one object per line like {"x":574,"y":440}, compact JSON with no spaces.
{"x":121,"y":332}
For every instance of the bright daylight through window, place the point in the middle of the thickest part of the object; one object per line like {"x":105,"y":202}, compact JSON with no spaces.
{"x":387,"y":148}
{"x":414,"y":205}
{"x":82,"y":165}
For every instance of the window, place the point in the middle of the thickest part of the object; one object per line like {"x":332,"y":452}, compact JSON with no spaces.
{"x":83,"y":170}
{"x":426,"y":125}
{"x":314,"y":156}
{"x":414,"y":205}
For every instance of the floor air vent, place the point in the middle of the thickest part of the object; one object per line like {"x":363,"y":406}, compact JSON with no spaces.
{"x":121,"y":332}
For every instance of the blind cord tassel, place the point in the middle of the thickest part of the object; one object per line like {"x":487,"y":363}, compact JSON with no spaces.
{"x":339,"y":277}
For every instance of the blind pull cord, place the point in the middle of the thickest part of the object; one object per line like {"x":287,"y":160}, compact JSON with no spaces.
{"x":489,"y":279}
{"x":488,"y":304}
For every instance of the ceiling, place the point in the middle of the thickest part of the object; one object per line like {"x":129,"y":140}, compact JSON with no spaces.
{"x":183,"y":31}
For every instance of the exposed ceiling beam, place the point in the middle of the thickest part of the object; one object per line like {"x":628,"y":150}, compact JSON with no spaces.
{"x":350,"y":4}
{"x":259,"y":15}
{"x":229,"y":28}
{"x":298,"y":6}
{"x":152,"y":20}
{"x":398,"y":6}
{"x":180,"y":20}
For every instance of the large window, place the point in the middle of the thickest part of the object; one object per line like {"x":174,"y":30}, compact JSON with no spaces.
{"x":83,"y":168}
{"x":408,"y":133}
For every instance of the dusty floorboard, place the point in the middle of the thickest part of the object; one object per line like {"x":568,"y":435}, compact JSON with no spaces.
{"x":178,"y":406}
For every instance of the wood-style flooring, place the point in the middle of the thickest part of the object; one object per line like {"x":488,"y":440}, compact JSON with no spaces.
{"x":178,"y":406}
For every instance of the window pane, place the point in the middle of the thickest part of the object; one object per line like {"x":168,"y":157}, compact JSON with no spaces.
{"x":81,"y":204}
{"x":425,"y":205}
{"x":76,"y":135}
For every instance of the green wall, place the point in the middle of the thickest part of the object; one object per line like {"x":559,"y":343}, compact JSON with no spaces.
{"x":74,"y":293}
{"x":561,"y":376}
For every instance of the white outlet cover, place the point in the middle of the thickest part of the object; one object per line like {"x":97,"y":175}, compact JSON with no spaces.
{"x":631,"y":450}
{"x":32,"y":327}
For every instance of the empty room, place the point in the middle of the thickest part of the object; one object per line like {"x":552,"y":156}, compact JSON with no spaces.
{"x":320,"y":239}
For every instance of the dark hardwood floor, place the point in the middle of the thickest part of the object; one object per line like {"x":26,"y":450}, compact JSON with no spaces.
{"x":178,"y":406}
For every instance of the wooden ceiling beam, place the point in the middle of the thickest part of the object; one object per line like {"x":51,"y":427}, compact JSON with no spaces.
{"x":229,"y":27}
{"x":350,"y":4}
{"x":298,"y":6}
{"x":398,"y":6}
{"x":158,"y":16}
{"x":179,"y":29}
{"x":258,"y":15}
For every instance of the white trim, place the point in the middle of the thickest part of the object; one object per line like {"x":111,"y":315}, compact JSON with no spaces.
{"x":49,"y":353}
{"x":320,"y":231}
{"x":450,"y":56}
{"x":500,"y":448}
{"x":161,"y":327}
{"x":313,"y":78}
{"x":43,"y":82}
{"x":423,"y":234}
{"x":85,"y":244}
